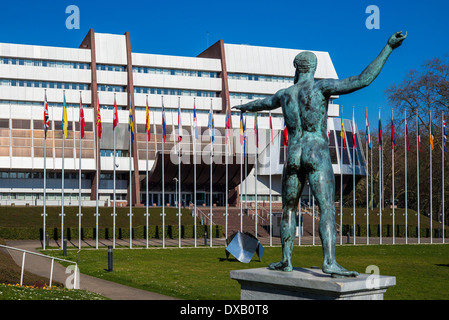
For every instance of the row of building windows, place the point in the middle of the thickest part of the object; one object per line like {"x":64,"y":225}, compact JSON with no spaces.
{"x":45,"y":63}
{"x":109,"y":88}
{"x":109,"y":67}
{"x":176,"y":72}
{"x":255,"y":77}
{"x":58,"y":175}
{"x":247,"y":96}
{"x":40,"y":103}
{"x":177,"y":92}
{"x":44,"y":84}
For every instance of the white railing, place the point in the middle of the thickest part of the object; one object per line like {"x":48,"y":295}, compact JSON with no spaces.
{"x":75,"y":286}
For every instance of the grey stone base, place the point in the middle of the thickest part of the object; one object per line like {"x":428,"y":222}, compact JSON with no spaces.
{"x":308,"y":284}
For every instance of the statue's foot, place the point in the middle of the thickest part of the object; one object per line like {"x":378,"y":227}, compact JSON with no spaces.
{"x":283,"y":266}
{"x":336,"y":270}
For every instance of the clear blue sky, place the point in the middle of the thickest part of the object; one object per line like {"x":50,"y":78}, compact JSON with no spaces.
{"x":181,"y":27}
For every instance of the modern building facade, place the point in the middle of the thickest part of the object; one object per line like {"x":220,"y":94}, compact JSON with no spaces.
{"x":103,"y":70}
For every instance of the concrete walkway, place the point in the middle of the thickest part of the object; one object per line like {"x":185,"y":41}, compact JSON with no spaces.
{"x":41,"y":266}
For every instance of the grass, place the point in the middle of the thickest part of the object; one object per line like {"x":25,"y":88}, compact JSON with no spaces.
{"x":421,"y":271}
{"x":15,"y":292}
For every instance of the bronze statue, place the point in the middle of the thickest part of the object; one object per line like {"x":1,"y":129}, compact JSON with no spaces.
{"x":304,"y":106}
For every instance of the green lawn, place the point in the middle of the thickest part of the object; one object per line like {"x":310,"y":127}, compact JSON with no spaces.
{"x":8,"y":292}
{"x":421,"y":271}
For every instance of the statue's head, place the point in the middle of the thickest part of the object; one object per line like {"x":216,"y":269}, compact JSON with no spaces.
{"x":305,"y":62}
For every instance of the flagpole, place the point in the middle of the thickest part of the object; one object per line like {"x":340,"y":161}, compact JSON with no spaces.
{"x":179,"y":172}
{"x":79,"y":182}
{"x":114,"y":179}
{"x":271,"y":227}
{"x":130,"y":186}
{"x":194,"y":167}
{"x":255,"y":180}
{"x":341,"y":179}
{"x":430,"y":194}
{"x":211,"y":160}
{"x":442,"y":165}
{"x":367,"y":177}
{"x":98,"y":157}
{"x":353,"y":174}
{"x":62,"y":173}
{"x":380,"y":179}
{"x":227,"y":174}
{"x":44,"y":214}
{"x":147,"y":214}
{"x":406,"y":204}
{"x":241,"y":174}
{"x":163,"y":176}
{"x":417,"y":169}
{"x":392,"y":174}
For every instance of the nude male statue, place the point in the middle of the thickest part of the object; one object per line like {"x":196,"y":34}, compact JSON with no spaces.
{"x":304,"y":106}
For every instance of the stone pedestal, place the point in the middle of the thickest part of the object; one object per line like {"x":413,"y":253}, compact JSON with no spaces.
{"x":309,"y":284}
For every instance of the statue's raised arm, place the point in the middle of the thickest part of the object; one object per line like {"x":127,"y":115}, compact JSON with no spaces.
{"x":351,"y":84}
{"x":270,"y":103}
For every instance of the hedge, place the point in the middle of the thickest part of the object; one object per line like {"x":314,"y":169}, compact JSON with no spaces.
{"x":154,"y":232}
{"x":387,"y":231}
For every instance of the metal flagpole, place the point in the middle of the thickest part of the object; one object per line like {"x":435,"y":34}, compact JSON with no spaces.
{"x":418,"y":144}
{"x":114,"y":191}
{"x":380,"y":179}
{"x":367,"y":178}
{"x":255,"y":180}
{"x":62,"y":173}
{"x":405,"y":162}
{"x":44,"y":214}
{"x":147,"y":214}
{"x":241,"y":175}
{"x":353,"y":174}
{"x":372,"y":184}
{"x":97,"y":213}
{"x":341,"y":179}
{"x":179,"y":171}
{"x":313,"y":220}
{"x":227,"y":174}
{"x":269,"y":163}
{"x":130,"y":187}
{"x":430,"y":194}
{"x":195,"y":125}
{"x":211,"y":160}
{"x":392,"y":175}
{"x":79,"y":181}
{"x":163,"y":176}
{"x":442,"y":168}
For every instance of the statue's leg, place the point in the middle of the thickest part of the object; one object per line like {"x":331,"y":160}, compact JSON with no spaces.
{"x":292,"y":185}
{"x":322,"y":182}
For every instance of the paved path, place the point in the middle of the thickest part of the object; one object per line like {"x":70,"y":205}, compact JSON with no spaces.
{"x":41,"y":266}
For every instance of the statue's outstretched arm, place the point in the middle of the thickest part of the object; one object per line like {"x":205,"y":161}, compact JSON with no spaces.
{"x":269,"y":103}
{"x":351,"y":84}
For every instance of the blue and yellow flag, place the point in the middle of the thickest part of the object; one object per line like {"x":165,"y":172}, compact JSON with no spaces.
{"x":131,"y":124}
{"x":65,"y":122}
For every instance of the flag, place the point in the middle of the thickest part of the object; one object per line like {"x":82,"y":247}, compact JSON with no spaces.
{"x":432,"y":134}
{"x":419,"y":136}
{"x":368,"y":135}
{"x":227,"y":125}
{"x":211,"y":125}
{"x":354,"y":137}
{"x":115,"y":116}
{"x":393,"y":139}
{"x":271,"y":129}
{"x":46,"y":116}
{"x":406,"y":134}
{"x":242,"y":129}
{"x":179,"y":125}
{"x":380,"y":132}
{"x":342,"y":133}
{"x":256,"y":131}
{"x":82,"y":121}
{"x":164,"y":128}
{"x":100,"y":127}
{"x":195,"y":121}
{"x":131,"y":124}
{"x":444,"y":135}
{"x":148,"y":124}
{"x":65,"y":122}
{"x":285,"y":135}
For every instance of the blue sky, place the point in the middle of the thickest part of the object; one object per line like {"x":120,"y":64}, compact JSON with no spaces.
{"x":181,"y":27}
